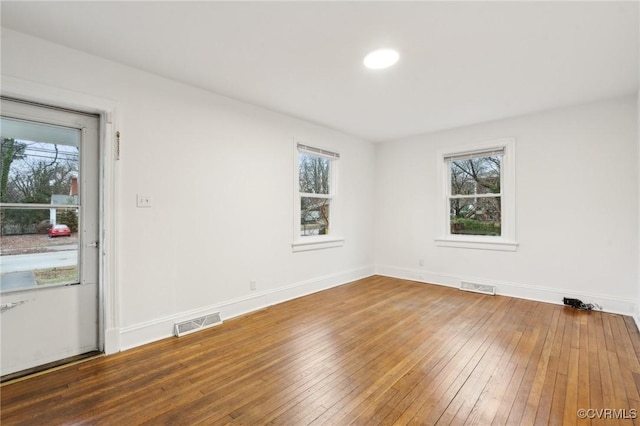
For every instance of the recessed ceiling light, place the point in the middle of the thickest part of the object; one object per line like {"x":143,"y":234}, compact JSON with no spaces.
{"x":381,"y":58}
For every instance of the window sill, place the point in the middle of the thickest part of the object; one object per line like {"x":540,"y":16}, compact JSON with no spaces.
{"x":479,"y":243}
{"x":316,"y":243}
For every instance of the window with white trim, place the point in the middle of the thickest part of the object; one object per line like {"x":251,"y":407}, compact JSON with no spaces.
{"x":478,"y":201}
{"x":315,"y":202}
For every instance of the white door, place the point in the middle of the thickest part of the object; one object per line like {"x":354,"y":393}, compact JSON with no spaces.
{"x":49,"y":237}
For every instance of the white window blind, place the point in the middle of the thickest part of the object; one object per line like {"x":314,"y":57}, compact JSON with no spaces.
{"x":317,"y":151}
{"x":474,"y":154}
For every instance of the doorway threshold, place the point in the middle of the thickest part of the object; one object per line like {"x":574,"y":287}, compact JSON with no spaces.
{"x":49,"y":367}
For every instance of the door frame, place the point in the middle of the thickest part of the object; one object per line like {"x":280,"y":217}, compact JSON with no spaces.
{"x":109,"y":152}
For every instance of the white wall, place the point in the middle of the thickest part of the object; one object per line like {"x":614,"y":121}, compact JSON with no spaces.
{"x":220,"y":176}
{"x":576,"y":215}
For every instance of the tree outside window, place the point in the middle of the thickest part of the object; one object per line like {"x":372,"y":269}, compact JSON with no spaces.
{"x":35,"y":173}
{"x":315,"y":190}
{"x":475,"y":195}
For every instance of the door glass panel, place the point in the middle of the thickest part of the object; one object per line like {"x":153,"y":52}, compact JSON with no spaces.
{"x":39,"y":194}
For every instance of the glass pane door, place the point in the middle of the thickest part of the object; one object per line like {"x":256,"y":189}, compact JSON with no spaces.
{"x":49,"y":236}
{"x":39,"y":191}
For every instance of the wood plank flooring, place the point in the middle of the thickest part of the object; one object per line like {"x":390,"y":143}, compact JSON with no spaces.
{"x":375,"y":351}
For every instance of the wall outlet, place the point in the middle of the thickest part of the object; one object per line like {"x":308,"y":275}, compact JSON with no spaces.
{"x":252,"y":285}
{"x":143,"y":200}
{"x":421,"y":262}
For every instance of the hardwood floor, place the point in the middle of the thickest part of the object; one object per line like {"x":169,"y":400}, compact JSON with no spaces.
{"x":375,"y":351}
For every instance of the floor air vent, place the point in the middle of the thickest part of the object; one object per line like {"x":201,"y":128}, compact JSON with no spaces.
{"x":478,"y":288}
{"x":197,"y":324}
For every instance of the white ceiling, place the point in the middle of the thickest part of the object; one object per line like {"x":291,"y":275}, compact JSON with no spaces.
{"x":461,"y":62}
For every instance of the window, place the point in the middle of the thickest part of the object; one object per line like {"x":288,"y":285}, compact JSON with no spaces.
{"x":474,"y":193}
{"x":478,"y":208}
{"x":315,"y":181}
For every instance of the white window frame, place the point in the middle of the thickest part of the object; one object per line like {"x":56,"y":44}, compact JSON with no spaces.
{"x":507,"y":240}
{"x":333,"y":238}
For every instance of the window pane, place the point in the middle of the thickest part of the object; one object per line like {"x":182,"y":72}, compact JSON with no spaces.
{"x":39,"y":163}
{"x":33,"y":252}
{"x":475,"y":216}
{"x":314,"y":216}
{"x":313,"y":173}
{"x":478,"y":175}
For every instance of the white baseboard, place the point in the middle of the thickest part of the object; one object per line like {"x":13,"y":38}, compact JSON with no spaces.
{"x":160,"y":328}
{"x":610,"y":304}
